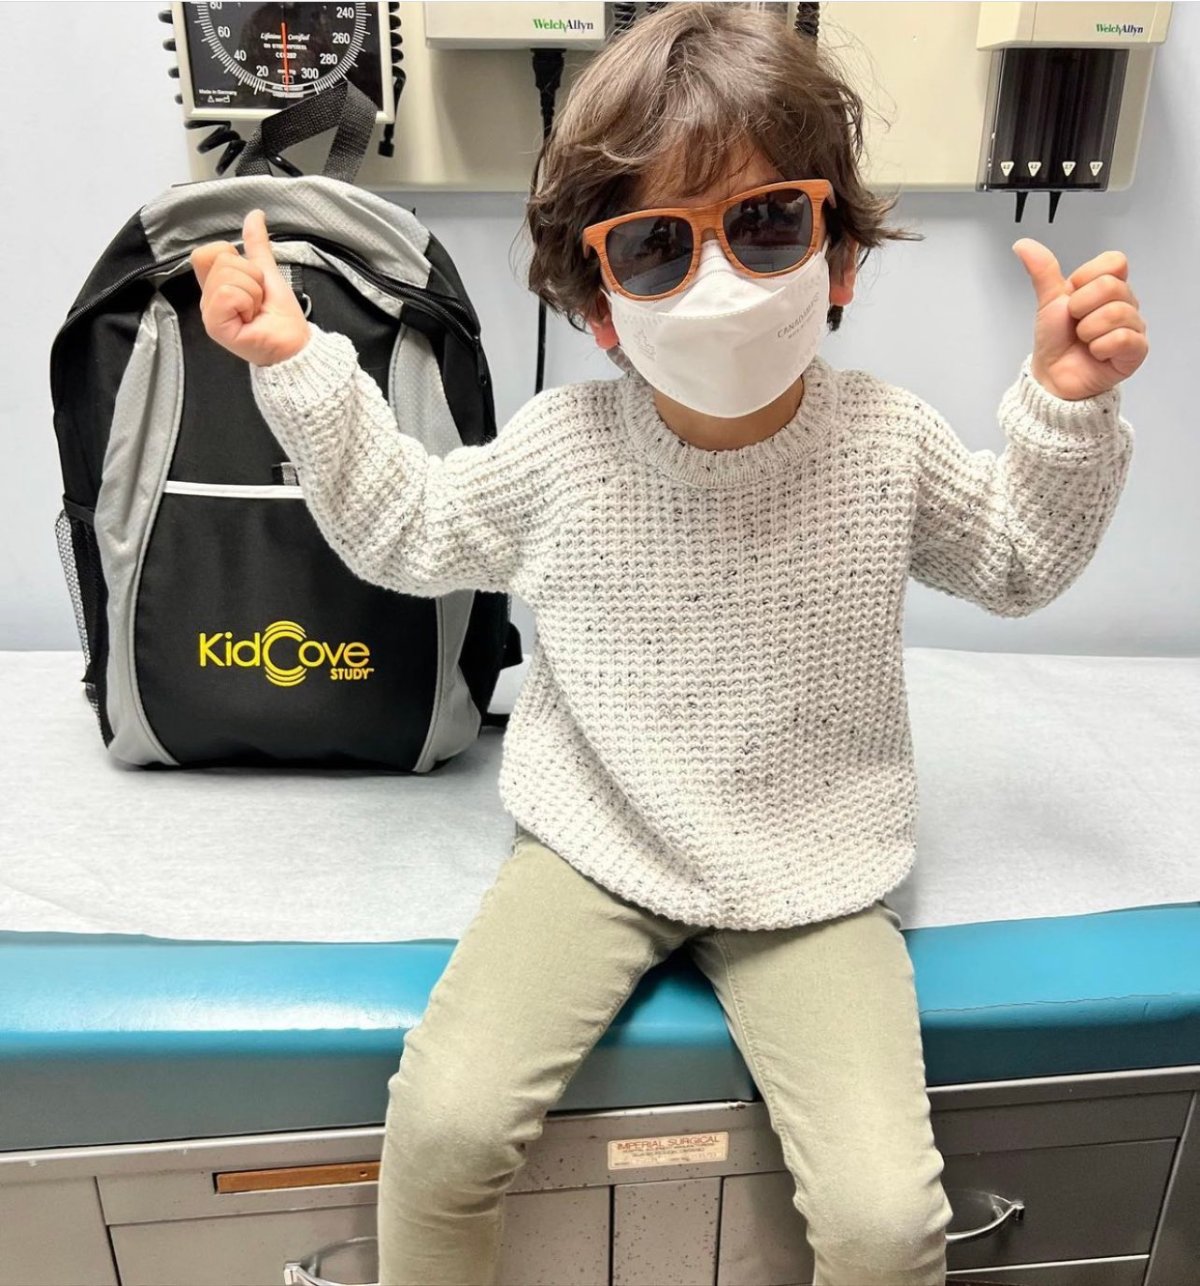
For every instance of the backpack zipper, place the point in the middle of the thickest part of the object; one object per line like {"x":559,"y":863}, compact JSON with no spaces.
{"x":450,"y":312}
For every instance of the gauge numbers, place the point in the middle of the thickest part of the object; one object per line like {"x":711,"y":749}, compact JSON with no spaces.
{"x":250,"y":59}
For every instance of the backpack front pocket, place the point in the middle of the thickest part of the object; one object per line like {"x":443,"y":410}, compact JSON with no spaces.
{"x":255,"y":643}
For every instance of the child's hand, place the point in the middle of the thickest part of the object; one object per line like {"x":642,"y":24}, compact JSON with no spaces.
{"x":1088,"y":334}
{"x":247,"y":305}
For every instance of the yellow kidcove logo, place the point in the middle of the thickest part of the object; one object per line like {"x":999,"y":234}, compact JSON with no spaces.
{"x":345,"y":660}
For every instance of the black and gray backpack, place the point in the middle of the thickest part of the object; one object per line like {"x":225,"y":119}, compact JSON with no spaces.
{"x":217,"y":625}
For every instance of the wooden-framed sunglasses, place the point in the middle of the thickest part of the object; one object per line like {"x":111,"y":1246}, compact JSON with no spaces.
{"x":766,"y":230}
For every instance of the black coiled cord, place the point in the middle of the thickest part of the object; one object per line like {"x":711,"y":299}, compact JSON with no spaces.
{"x":808,"y":23}
{"x":224,"y":134}
{"x":624,"y":16}
{"x":547,"y":75}
{"x":399,"y":77}
{"x":808,"y":19}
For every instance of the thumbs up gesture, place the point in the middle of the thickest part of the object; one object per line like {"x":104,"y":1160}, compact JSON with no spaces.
{"x":1088,"y":334}
{"x":246,"y":303}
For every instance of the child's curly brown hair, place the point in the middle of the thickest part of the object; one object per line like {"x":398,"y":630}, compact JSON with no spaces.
{"x":688,"y":84}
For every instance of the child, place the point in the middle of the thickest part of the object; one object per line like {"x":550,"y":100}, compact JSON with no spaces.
{"x":712,"y":744}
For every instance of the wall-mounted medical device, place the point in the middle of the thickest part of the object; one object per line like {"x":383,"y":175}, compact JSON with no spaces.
{"x":959,"y":95}
{"x":239,"y":62}
{"x":548,"y":31}
{"x":244,"y":61}
{"x":1058,"y":90}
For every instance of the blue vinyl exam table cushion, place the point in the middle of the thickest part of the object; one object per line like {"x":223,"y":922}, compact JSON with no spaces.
{"x":111,"y":1039}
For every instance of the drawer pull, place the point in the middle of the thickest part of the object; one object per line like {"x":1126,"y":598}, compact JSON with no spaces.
{"x":306,"y":1272}
{"x":1000,"y":1209}
{"x":297,"y":1176}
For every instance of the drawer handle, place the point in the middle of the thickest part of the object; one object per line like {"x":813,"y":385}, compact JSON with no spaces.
{"x":1003,"y":1209}
{"x":305,"y":1272}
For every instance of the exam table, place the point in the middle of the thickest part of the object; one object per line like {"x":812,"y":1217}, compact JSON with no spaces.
{"x":181,"y":1107}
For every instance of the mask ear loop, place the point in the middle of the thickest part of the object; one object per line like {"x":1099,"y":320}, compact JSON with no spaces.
{"x":613,"y":352}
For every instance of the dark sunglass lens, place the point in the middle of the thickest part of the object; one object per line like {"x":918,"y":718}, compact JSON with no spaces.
{"x":771,"y":232}
{"x":649,"y":256}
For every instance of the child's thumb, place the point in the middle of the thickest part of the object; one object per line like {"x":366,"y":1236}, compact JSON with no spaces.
{"x":256,"y":241}
{"x":1042,"y":267}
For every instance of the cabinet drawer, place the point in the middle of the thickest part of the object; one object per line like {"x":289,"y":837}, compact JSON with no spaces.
{"x":550,"y":1239}
{"x":665,"y":1233}
{"x":762,"y":1239}
{"x":1090,"y":1202}
{"x":1081,"y":1203}
{"x":237,"y":1250}
{"x":1090,"y":1272}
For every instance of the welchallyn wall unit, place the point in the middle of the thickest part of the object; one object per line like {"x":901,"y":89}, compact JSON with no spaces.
{"x":483,"y":24}
{"x":1062,"y":80}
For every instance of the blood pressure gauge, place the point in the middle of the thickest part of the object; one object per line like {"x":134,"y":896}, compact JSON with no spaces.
{"x":244,"y":61}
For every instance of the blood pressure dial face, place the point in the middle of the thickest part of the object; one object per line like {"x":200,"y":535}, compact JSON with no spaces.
{"x":258,"y":57}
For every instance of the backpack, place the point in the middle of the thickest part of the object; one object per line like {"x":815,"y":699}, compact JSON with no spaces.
{"x":217,"y":625}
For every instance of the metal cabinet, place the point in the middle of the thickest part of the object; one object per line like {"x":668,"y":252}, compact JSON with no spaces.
{"x":1106,"y":1169}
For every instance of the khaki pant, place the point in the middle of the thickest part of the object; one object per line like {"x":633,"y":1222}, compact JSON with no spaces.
{"x":825,"y":1016}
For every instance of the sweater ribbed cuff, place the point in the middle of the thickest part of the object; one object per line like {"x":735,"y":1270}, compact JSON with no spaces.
{"x":1072,"y":430}
{"x":301,"y":382}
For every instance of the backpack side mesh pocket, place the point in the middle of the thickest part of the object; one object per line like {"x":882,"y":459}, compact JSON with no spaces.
{"x":80,"y":557}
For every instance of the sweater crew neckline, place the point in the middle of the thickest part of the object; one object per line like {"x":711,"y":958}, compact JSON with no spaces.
{"x":663,"y":448}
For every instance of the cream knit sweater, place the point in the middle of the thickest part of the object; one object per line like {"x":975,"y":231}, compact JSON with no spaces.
{"x":714,"y":723}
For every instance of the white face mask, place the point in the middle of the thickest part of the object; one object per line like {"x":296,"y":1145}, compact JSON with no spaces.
{"x":729,"y":343}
